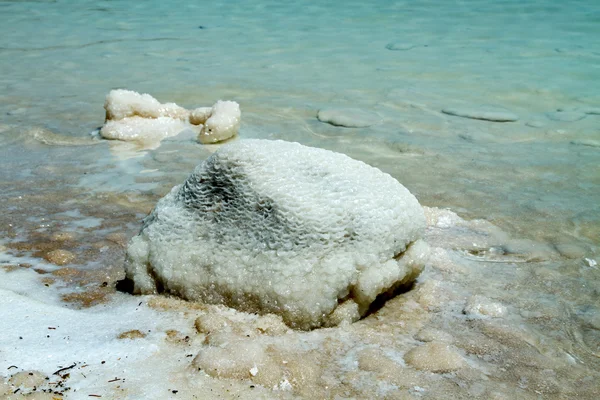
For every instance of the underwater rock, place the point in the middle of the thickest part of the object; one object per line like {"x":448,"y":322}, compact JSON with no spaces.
{"x":586,"y":142}
{"x":400,"y":46}
{"x":348,"y":117}
{"x":484,"y":113}
{"x":50,"y":138}
{"x":591,"y":110}
{"x":566,"y":116}
{"x":535,"y":124}
{"x":135,"y":117}
{"x":277,"y":227}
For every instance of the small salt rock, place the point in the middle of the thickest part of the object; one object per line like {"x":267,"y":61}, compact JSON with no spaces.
{"x":237,"y":360}
{"x":430,"y":295}
{"x":60,"y":257}
{"x":211,"y":323}
{"x":61,"y":236}
{"x":344,"y":314}
{"x":433,"y":335}
{"x":271,"y":324}
{"x":479,"y":306}
{"x":285,"y":385}
{"x":348,"y":117}
{"x":254,"y":370}
{"x":199,"y":115}
{"x":591,"y":262}
{"x":435,"y":357}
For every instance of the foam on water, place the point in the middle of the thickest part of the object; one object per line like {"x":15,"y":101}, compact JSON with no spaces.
{"x":509,"y":299}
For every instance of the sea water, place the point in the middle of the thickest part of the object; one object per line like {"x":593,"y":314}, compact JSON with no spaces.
{"x":509,"y":304}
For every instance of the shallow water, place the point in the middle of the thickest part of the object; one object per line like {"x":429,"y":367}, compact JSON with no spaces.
{"x":536,"y":178}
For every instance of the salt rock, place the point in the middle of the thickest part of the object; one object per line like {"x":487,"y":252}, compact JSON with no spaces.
{"x":223,"y":123}
{"x":277,"y":227}
{"x":138,"y":129}
{"x":135,"y":117}
{"x":120,"y":104}
{"x":348,"y":117}
{"x":60,"y":257}
{"x":430,"y":335}
{"x":237,"y":360}
{"x":486,"y":114}
{"x":479,"y":306}
{"x":435,"y":357}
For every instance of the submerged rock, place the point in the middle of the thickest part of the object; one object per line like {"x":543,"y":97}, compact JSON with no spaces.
{"x":586,"y":142}
{"x":135,"y":117}
{"x":401,"y":46}
{"x":487,"y":114}
{"x":348,"y":117}
{"x":566,"y":116}
{"x":277,"y":227}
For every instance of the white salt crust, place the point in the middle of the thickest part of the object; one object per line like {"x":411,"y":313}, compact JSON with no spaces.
{"x":222,"y":124}
{"x":135,"y":117}
{"x":272,"y":226}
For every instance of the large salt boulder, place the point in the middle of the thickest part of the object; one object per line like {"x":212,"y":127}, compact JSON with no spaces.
{"x":277,"y":227}
{"x":135,"y":117}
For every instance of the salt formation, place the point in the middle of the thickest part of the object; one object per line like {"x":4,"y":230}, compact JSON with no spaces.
{"x":223,"y":122}
{"x":435,"y":357}
{"x":131,"y":116}
{"x":277,"y":227}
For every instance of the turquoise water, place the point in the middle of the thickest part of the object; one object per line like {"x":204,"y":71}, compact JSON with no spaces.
{"x":537,"y":178}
